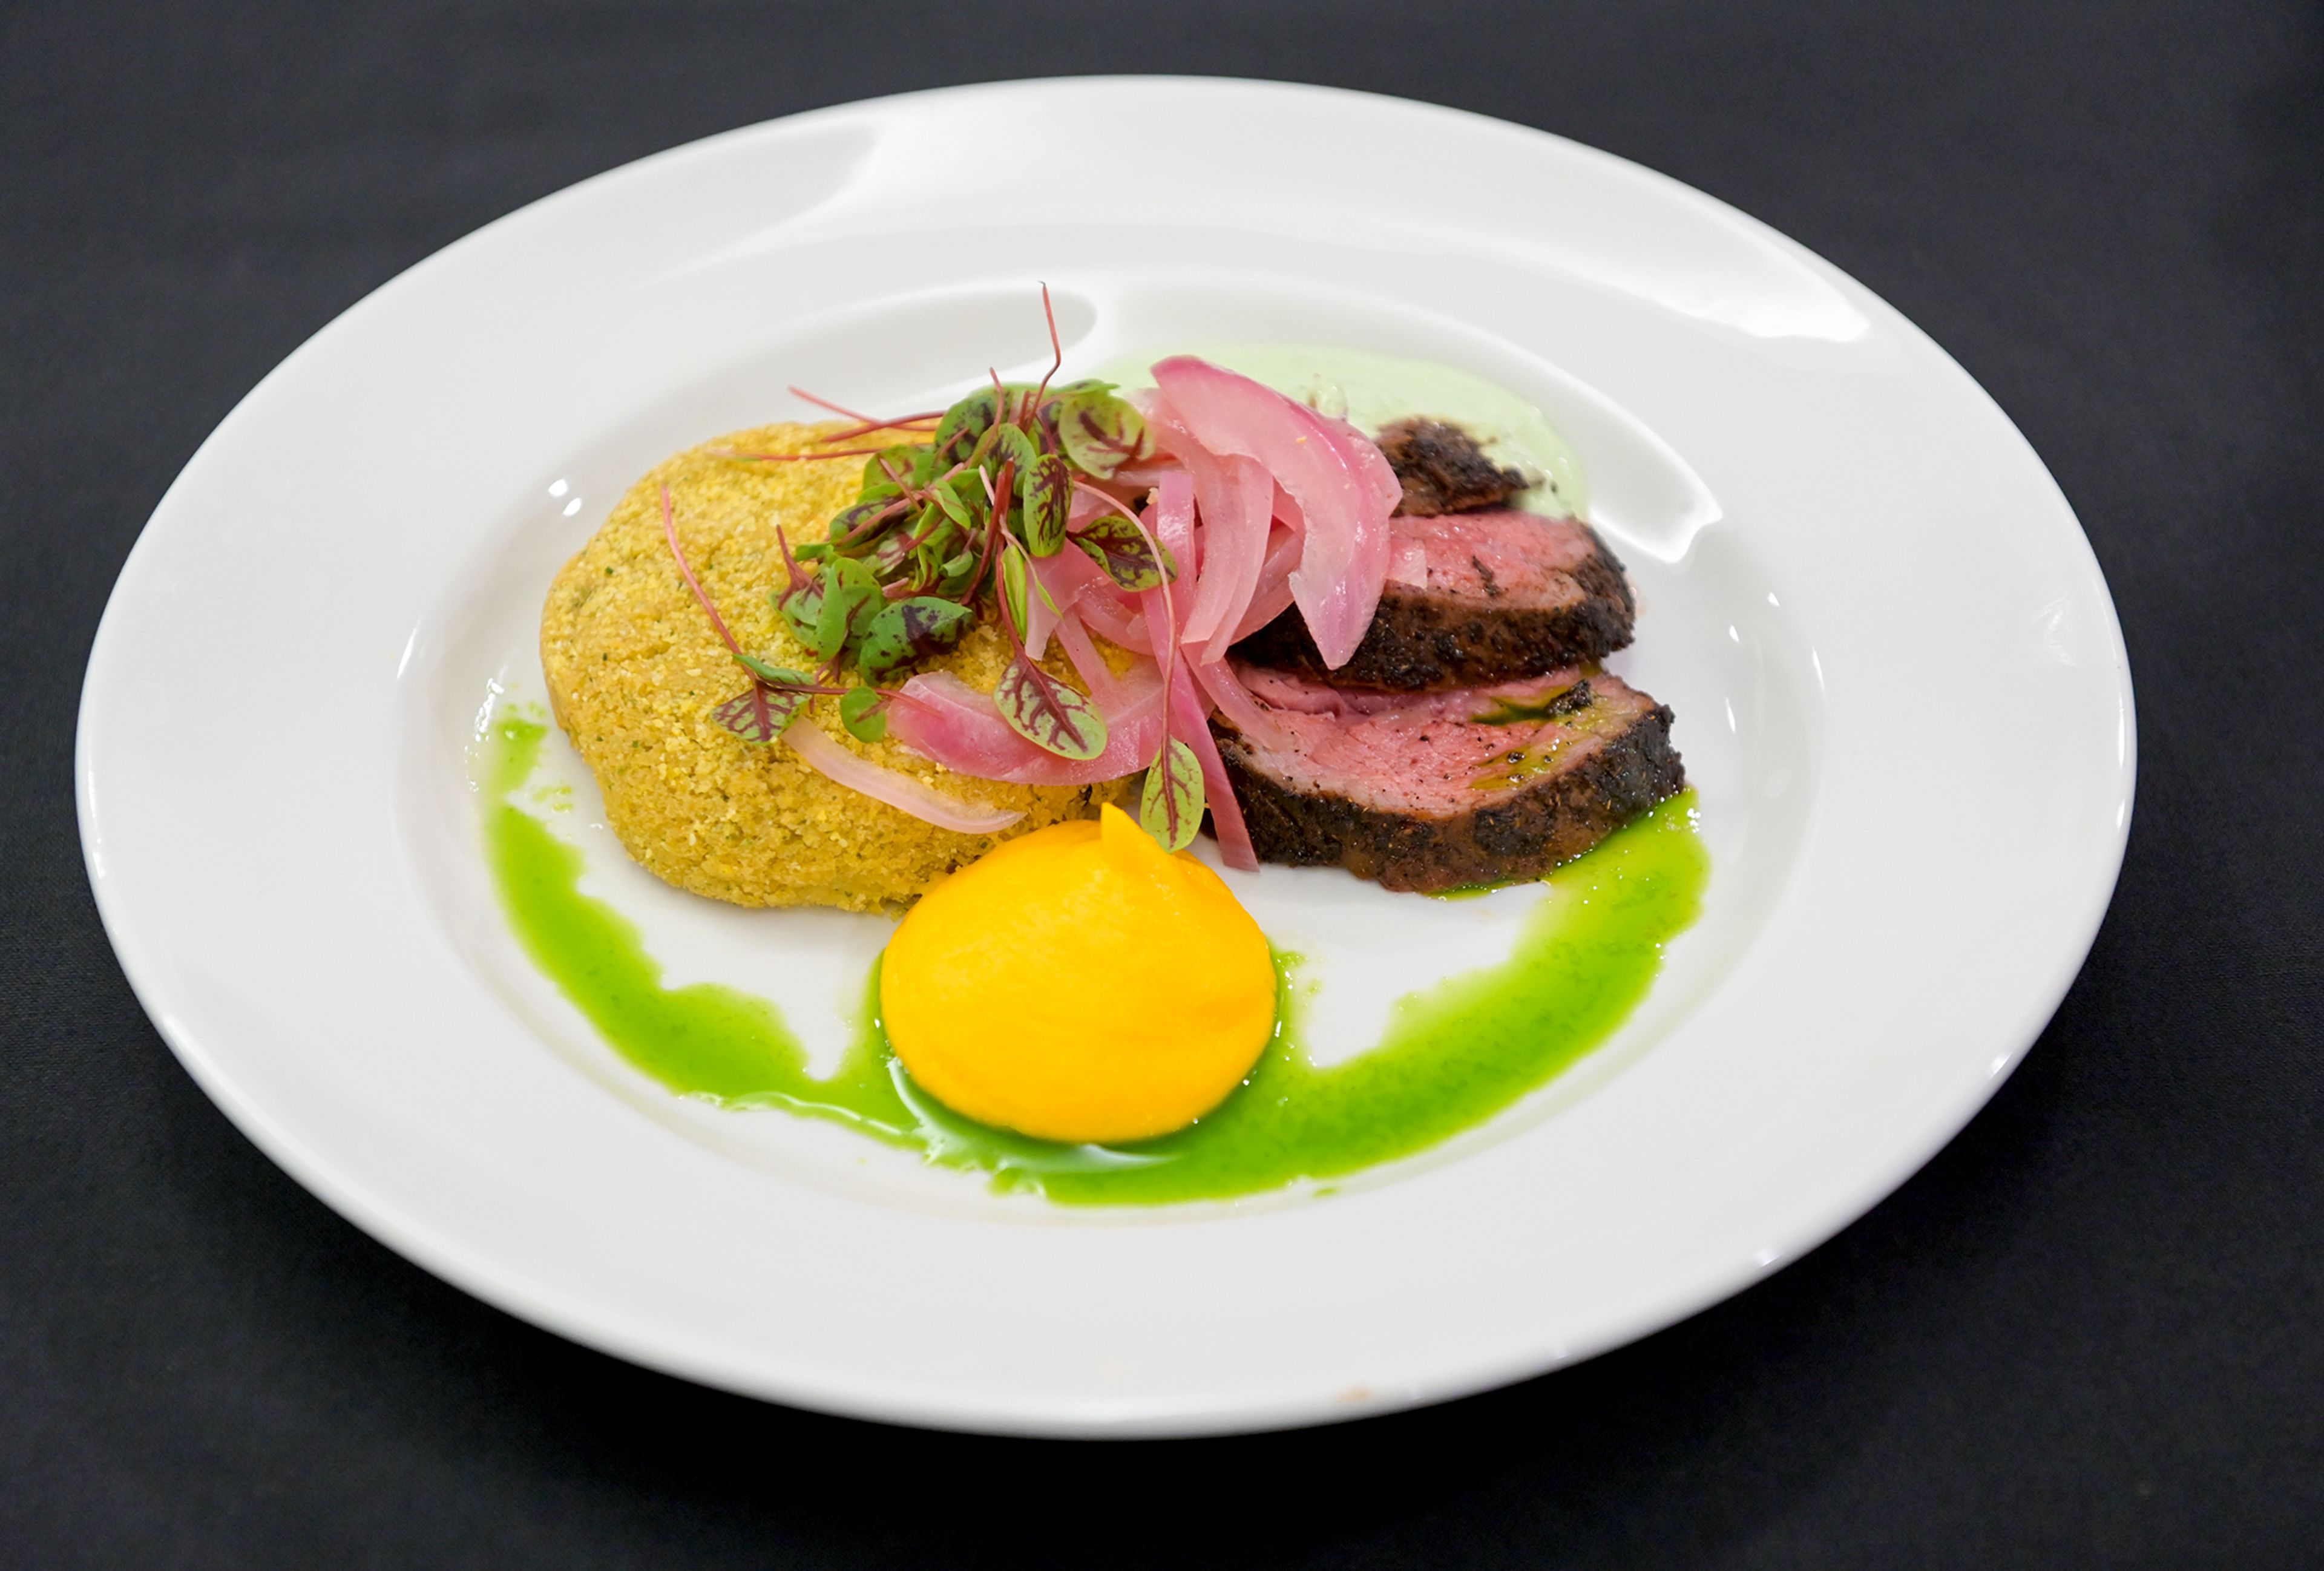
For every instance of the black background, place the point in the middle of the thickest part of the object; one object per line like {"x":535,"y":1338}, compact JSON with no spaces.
{"x":2087,"y":1334}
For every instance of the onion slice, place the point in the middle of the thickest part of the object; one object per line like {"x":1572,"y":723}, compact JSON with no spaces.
{"x":1234,"y":701}
{"x":1105,"y":687}
{"x":1194,"y":728}
{"x":901,"y":792}
{"x":942,"y":719}
{"x":1237,"y":497}
{"x":1344,"y":488}
{"x":1272,"y":595}
{"x":1407,"y":563}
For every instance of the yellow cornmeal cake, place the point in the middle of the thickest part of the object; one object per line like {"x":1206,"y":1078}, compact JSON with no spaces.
{"x":635,"y":670}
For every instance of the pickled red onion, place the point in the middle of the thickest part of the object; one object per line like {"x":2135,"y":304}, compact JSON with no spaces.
{"x":942,"y":719}
{"x":1344,"y":488}
{"x":1105,"y":615}
{"x":1105,"y":687}
{"x":1227,"y":693}
{"x":1407,"y":563}
{"x":1271,"y":598}
{"x":1066,"y":575}
{"x":820,"y":753}
{"x":1193,"y":727}
{"x":1237,"y":496}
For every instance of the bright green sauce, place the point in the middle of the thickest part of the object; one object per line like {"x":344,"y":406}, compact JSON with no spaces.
{"x":1454,"y":1054}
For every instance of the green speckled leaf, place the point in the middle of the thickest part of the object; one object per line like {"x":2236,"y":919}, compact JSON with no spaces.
{"x":1171,"y":804}
{"x":1011,"y":442}
{"x":1103,"y":433}
{"x":759,"y":715}
{"x":860,"y":713}
{"x":775,"y":676}
{"x":1048,"y":714}
{"x":1048,"y":493}
{"x":1013,"y":575}
{"x":802,"y":607}
{"x":1119,"y":548}
{"x":911,"y":629}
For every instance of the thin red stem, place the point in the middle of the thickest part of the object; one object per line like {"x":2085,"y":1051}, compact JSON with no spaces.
{"x":902,"y":423}
{"x":669,"y":534}
{"x":1057,"y":348}
{"x":795,"y":458}
{"x":873,"y":421}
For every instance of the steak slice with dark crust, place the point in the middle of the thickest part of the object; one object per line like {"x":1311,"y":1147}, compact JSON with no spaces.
{"x":1442,"y":791}
{"x":1508,"y":595}
{"x":1443,"y":470}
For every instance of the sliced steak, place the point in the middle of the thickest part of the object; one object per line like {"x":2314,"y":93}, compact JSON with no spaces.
{"x":1443,"y":470}
{"x":1441,"y":790}
{"x":1508,"y":595}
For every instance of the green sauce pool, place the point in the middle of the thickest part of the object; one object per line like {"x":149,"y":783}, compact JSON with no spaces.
{"x":1454,"y":1054}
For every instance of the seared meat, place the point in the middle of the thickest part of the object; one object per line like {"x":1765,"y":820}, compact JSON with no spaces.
{"x":1443,"y":469}
{"x":1507,"y":595}
{"x":1439,"y":790}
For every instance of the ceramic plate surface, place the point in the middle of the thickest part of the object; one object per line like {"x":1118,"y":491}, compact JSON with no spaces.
{"x":1901,"y":692}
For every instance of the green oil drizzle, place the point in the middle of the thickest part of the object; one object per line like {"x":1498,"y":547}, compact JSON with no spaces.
{"x":1454,"y":1054}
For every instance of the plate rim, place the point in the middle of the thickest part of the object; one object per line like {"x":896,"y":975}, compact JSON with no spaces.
{"x":848,"y":1397}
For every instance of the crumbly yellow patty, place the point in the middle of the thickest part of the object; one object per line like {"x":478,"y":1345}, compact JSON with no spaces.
{"x":634,"y":668}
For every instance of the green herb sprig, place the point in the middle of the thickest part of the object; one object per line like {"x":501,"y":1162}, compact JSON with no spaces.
{"x":946,"y":531}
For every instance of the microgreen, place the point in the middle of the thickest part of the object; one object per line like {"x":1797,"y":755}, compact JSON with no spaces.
{"x":1124,"y":554}
{"x":1046,"y":713}
{"x":911,"y":629}
{"x":1048,"y":502}
{"x":759,"y":713}
{"x":776,"y":676}
{"x":777,"y":694}
{"x":951,"y":512}
{"x":1103,"y":433}
{"x":859,"y":711}
{"x":1170,"y":806}
{"x":1013,"y":576}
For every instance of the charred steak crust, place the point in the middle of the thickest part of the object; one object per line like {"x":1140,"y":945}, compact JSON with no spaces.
{"x":1512,"y":837}
{"x":1420,"y":640}
{"x":1443,"y":470}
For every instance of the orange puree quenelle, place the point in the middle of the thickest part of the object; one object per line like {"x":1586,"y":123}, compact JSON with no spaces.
{"x":1080,"y":984}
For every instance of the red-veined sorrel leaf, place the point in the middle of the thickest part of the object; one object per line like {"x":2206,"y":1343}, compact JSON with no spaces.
{"x":948,"y":498}
{"x":1171,"y":804}
{"x":860,"y":713}
{"x":851,"y":598}
{"x":1120,"y":550}
{"x":965,"y":422}
{"x":775,"y":676}
{"x":887,"y":557}
{"x":1013,"y":443}
{"x":1013,"y":576}
{"x":1048,"y":714}
{"x":892,"y":469}
{"x":853,"y":523}
{"x":1101,"y":433}
{"x":802,"y":607}
{"x":911,"y":629}
{"x":1048,"y":493}
{"x":759,"y":715}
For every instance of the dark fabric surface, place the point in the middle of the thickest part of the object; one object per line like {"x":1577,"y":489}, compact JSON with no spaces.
{"x":2087,"y":1334}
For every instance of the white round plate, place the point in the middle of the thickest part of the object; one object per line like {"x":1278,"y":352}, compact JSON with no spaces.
{"x":1901,"y":692}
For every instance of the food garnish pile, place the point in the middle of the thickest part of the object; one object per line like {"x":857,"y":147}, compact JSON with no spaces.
{"x":1205,"y":600}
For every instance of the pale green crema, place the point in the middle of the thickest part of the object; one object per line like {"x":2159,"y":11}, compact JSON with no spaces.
{"x":1453,"y":1055}
{"x":1376,"y":390}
